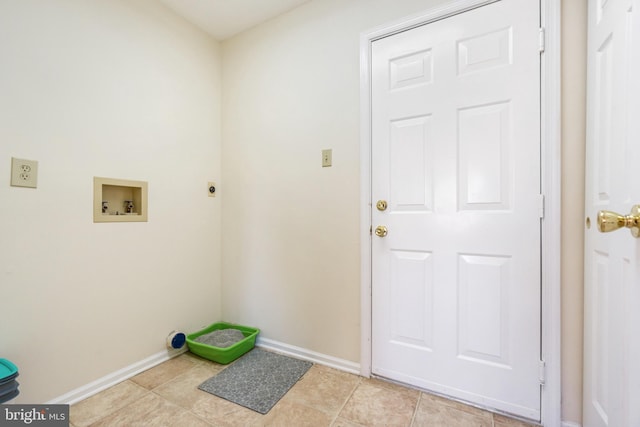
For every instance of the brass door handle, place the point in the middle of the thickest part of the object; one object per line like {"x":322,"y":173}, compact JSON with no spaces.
{"x":610,"y":221}
{"x":381,"y":231}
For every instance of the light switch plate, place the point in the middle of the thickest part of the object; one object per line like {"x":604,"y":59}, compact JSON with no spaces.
{"x":326,"y":158}
{"x":24,"y":173}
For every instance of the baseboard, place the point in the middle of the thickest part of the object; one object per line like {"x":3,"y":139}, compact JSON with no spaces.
{"x":127,"y":372}
{"x":114,"y":378}
{"x":311,"y":356}
{"x":570,"y":424}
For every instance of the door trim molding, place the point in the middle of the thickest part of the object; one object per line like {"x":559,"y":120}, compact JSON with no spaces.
{"x":551,"y":188}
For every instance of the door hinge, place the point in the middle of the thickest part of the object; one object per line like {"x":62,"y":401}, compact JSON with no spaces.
{"x":541,"y":206}
{"x":541,"y":371}
{"x":541,"y":39}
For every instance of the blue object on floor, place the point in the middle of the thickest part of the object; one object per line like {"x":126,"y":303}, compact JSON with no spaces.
{"x":7,"y":370}
{"x":8,"y":384}
{"x":178,"y":339}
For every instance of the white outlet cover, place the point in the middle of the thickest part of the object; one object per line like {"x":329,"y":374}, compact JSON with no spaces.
{"x":24,"y":173}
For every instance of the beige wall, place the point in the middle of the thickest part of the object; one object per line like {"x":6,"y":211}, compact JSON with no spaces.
{"x":574,"y":48}
{"x":114,"y":88}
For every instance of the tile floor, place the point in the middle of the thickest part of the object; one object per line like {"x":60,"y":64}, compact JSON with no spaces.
{"x":168,"y":395}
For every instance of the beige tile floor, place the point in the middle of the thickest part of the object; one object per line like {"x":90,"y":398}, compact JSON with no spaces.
{"x":168,"y":395}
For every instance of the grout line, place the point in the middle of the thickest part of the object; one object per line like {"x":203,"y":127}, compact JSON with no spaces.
{"x":415,"y":411}
{"x":113,"y":412}
{"x":347,"y":401}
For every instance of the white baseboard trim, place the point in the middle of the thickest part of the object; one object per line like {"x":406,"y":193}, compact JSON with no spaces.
{"x":311,"y":356}
{"x":127,"y":372}
{"x":570,"y":424}
{"x":114,"y":378}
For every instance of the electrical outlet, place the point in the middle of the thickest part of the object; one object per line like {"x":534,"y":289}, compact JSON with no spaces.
{"x":24,"y":173}
{"x":326,"y":158}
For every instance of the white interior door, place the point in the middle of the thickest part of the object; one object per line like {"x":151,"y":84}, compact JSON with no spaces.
{"x":612,"y":260}
{"x":456,"y":156}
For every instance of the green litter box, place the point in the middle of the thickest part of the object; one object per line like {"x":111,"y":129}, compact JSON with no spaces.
{"x":223,"y":355}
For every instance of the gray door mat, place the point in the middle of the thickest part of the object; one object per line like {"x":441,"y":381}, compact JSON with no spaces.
{"x":257,"y":380}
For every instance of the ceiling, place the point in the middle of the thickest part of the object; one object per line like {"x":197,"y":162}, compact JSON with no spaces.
{"x":225,"y":18}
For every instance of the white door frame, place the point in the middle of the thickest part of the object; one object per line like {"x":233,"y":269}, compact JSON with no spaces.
{"x":551,"y":186}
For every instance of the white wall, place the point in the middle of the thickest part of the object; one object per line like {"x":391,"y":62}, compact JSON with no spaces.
{"x":113,"y":88}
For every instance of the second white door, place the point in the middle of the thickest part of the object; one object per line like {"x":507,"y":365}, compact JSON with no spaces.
{"x":456,"y":158}
{"x":611,"y":387}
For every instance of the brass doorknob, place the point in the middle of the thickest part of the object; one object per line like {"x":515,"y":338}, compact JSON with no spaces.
{"x":610,"y":221}
{"x":381,"y":231}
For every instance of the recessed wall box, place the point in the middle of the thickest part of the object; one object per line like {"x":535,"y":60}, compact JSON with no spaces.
{"x":119,"y":200}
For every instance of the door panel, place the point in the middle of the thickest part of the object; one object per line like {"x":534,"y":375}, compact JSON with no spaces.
{"x":456,"y":154}
{"x":410,"y":164}
{"x":484,"y":157}
{"x":483,"y":315}
{"x":612,"y":260}
{"x":413,"y":272}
